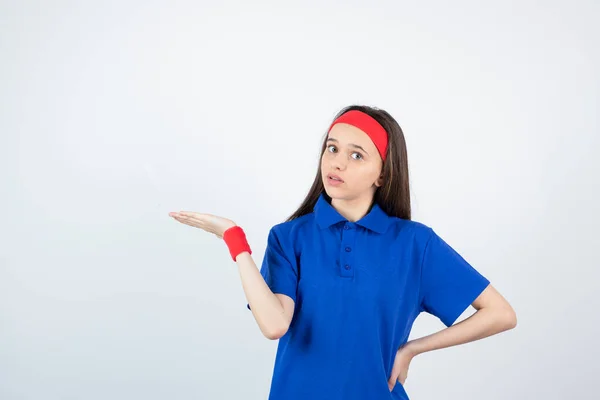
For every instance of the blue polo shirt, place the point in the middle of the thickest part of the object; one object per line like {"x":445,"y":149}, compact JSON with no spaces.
{"x":358,"y":287}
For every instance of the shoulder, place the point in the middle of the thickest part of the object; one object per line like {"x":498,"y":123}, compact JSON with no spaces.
{"x":412,"y":231}
{"x":289,"y":235}
{"x":294,"y":227}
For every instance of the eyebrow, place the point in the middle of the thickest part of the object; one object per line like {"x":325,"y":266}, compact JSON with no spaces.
{"x":350,"y":144}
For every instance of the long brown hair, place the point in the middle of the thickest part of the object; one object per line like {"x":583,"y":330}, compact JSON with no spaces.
{"x":394,"y":195}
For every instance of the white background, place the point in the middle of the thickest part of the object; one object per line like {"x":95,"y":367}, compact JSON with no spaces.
{"x":114,"y":113}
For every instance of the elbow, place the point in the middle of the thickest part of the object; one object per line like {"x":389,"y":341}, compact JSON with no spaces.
{"x":273,"y":336}
{"x":510,"y":318}
{"x":513,"y":320}
{"x":276,"y":332}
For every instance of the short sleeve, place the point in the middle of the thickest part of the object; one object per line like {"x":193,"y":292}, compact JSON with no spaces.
{"x":279,"y":268}
{"x":449,"y":284}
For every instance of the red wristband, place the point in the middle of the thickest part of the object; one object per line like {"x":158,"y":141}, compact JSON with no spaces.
{"x":235,"y":238}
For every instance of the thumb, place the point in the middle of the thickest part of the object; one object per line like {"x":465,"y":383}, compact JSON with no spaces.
{"x":393,"y":376}
{"x":392,"y":381}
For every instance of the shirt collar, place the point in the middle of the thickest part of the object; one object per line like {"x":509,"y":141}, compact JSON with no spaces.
{"x":326,"y":215}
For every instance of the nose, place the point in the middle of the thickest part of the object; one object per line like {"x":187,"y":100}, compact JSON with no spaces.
{"x":339,"y":161}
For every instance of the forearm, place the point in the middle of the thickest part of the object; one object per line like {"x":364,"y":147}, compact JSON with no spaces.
{"x":485,"y":322}
{"x":265,"y":306}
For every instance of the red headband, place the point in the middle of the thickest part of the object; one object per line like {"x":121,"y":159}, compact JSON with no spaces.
{"x":367,"y":124}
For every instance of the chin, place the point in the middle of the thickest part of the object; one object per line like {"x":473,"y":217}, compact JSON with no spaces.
{"x":334,"y":193}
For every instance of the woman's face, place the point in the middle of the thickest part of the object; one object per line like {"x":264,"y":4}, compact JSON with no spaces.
{"x":350,"y":154}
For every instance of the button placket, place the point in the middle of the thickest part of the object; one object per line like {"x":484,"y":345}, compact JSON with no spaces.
{"x":346,"y":264}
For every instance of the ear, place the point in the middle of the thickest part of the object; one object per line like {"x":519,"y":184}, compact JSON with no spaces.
{"x":379,"y":181}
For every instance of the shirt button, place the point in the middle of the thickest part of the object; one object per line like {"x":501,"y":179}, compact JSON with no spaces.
{"x":348,"y":249}
{"x":346,"y":227}
{"x":347,"y":267}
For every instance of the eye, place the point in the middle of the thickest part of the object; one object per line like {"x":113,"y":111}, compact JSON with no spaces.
{"x":360,"y":156}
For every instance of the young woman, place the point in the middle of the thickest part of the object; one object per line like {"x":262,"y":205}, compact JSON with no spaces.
{"x":344,"y":277}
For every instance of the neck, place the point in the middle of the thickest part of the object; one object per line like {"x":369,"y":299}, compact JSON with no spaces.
{"x":353,"y":209}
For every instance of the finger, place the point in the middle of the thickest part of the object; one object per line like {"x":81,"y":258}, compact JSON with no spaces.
{"x":190,"y":216}
{"x":392,"y":381}
{"x":195,"y":224}
{"x":193,"y":214}
{"x":180,"y":218}
{"x":395,"y":372}
{"x":184,"y":221}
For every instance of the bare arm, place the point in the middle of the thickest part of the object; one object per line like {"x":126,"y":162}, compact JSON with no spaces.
{"x":272,"y":312}
{"x":494,"y":315}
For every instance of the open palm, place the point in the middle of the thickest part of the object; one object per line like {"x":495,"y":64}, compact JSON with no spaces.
{"x":208,"y":222}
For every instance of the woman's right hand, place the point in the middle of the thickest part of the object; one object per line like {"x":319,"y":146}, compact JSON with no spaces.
{"x":209,"y":222}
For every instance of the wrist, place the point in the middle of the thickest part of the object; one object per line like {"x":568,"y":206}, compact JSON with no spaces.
{"x":412,"y":348}
{"x":235,"y":239}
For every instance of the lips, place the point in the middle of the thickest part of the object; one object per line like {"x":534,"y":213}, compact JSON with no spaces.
{"x":335,"y":177}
